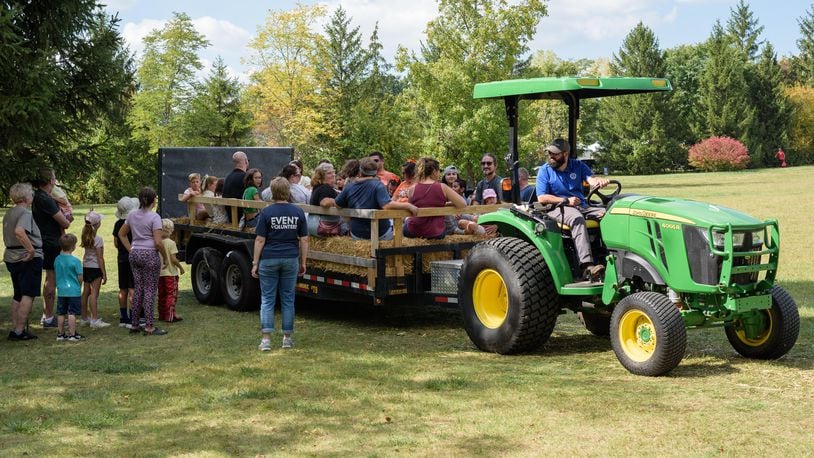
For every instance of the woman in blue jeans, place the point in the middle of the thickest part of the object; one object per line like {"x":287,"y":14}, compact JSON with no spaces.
{"x":280,"y":251}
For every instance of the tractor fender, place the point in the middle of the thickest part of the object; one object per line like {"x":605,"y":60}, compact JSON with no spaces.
{"x":549,"y":243}
{"x":631,"y":265}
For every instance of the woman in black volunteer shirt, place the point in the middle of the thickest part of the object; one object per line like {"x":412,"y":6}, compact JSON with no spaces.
{"x":280,"y":251}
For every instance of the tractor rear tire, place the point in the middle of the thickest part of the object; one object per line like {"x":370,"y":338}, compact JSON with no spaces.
{"x":597,"y":324}
{"x":241,"y":291}
{"x":648,"y":334}
{"x":507,"y":296}
{"x":206,"y":278}
{"x":783,"y":328}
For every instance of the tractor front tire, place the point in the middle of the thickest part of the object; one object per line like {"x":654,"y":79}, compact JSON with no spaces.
{"x":205,"y":274}
{"x":507,"y":296}
{"x":780,"y":331}
{"x":648,"y":334}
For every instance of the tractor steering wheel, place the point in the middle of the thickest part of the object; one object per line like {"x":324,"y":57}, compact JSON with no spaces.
{"x":605,"y":199}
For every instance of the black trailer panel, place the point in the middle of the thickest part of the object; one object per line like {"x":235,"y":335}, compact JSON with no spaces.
{"x":175,"y":165}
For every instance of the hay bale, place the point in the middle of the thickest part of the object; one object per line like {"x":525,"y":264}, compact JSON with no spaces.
{"x":361,"y":248}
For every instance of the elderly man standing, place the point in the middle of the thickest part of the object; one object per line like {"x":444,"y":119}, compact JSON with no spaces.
{"x":52,"y":223}
{"x":233,"y":184}
{"x":559,"y":182}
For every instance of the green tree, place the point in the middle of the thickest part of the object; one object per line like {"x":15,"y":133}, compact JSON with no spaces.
{"x":284,"y":89}
{"x":217,"y":115}
{"x":772,"y":110}
{"x":343,"y":64}
{"x":60,"y":79}
{"x":804,"y":62}
{"x":632,"y":130}
{"x":743,"y":29}
{"x":725,"y":109}
{"x":166,"y":79}
{"x":467,"y":43}
{"x":683,"y":65}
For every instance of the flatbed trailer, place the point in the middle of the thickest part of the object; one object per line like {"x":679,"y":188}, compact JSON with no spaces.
{"x":375,"y":272}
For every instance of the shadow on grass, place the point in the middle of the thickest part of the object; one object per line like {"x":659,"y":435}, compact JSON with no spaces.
{"x":392,"y":315}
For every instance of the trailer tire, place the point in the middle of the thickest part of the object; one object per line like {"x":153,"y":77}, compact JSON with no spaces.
{"x":240,"y":290}
{"x":597,"y":324}
{"x":648,"y":334}
{"x":507,"y":296}
{"x":783,"y":328}
{"x":206,"y":279}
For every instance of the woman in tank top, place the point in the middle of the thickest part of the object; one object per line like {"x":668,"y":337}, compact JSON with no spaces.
{"x":429,"y":192}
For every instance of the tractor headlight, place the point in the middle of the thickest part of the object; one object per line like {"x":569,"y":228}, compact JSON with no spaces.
{"x":740,"y":240}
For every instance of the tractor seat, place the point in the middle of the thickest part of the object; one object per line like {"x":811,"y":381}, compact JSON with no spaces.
{"x":589,"y":224}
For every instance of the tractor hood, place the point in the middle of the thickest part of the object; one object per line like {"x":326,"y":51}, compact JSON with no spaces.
{"x":682,"y":211}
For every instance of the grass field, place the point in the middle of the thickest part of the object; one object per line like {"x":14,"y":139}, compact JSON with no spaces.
{"x":407,"y":381}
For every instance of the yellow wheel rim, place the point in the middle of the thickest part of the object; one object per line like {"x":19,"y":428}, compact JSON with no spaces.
{"x":491,"y":299}
{"x":637,"y":335}
{"x":761,"y":339}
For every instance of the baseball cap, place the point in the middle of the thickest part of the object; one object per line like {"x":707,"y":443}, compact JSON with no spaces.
{"x":558,"y":145}
{"x":450,"y":169}
{"x":368,"y":166}
{"x":93,"y":218}
{"x":489,"y":192}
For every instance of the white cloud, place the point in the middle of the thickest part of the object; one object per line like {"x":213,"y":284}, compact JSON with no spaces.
{"x":575,"y":29}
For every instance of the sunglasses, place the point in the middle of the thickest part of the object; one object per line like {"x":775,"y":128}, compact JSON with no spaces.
{"x":554,"y":154}
{"x":486,"y":163}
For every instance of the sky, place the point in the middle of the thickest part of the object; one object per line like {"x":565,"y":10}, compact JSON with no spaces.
{"x":572,"y":30}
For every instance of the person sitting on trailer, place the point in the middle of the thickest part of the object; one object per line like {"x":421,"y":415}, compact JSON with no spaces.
{"x":559,"y":183}
{"x":368,"y":192}
{"x":429,"y":192}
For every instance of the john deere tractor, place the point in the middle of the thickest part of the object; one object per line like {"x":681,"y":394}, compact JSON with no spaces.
{"x":671,"y":264}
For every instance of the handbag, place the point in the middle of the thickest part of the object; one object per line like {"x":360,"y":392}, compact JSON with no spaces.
{"x":329,"y":229}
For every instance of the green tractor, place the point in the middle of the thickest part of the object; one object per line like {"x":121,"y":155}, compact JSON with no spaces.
{"x":671,"y":264}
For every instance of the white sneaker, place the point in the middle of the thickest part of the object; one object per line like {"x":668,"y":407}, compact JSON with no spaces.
{"x":83,"y":321}
{"x":265,"y":345}
{"x":288,"y":342}
{"x":98,"y":324}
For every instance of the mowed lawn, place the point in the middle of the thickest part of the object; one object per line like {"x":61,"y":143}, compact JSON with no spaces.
{"x":388,"y":380}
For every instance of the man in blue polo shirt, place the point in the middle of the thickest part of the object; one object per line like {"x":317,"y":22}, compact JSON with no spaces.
{"x":559,"y":181}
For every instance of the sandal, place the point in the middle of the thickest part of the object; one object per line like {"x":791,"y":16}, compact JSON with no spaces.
{"x":155,"y":332}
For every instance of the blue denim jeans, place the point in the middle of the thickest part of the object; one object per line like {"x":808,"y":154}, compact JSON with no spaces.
{"x":277,"y":275}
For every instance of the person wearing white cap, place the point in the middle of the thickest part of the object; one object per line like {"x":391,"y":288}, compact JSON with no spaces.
{"x":559,"y":183}
{"x":94,"y":274}
{"x":126,"y":285}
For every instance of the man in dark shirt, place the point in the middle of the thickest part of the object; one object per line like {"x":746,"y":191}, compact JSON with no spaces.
{"x":52,"y":224}
{"x":490,"y":179}
{"x":233,"y":184}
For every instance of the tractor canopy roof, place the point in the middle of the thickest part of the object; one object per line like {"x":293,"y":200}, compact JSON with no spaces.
{"x":580,"y":88}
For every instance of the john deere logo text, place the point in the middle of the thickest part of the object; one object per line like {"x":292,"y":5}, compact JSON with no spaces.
{"x":643,"y":213}
{"x":670,"y":226}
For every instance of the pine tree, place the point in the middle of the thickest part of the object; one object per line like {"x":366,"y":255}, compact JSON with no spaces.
{"x":216,"y":115}
{"x":724,"y":105}
{"x":632,"y":130}
{"x":772,"y":110}
{"x":64,"y":73}
{"x":743,"y":29}
{"x":804,"y":63}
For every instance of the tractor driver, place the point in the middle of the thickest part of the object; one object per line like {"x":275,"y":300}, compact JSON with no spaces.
{"x":559,"y":182}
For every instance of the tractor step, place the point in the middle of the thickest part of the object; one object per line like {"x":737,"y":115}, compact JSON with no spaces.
{"x":582,"y":288}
